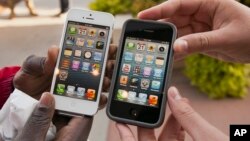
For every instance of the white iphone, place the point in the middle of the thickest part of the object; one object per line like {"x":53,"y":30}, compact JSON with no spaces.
{"x":80,"y":68}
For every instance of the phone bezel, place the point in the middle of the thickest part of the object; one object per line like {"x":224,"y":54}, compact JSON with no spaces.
{"x":156,"y":114}
{"x":75,"y":106}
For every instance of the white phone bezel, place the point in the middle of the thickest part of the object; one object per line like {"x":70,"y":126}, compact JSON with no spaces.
{"x":73,"y":105}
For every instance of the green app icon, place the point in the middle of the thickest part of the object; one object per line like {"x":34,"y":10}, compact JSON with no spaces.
{"x":72,"y":30}
{"x":60,"y":89}
{"x":130,"y":45}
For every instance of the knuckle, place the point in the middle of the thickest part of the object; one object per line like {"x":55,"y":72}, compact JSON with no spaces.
{"x":204,"y":42}
{"x":39,"y":118}
{"x":184,"y":110}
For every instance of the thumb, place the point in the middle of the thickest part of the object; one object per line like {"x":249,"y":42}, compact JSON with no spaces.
{"x":197,"y":127}
{"x":38,"y":124}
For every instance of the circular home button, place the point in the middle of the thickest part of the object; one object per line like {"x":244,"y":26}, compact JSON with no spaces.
{"x":134,"y":113}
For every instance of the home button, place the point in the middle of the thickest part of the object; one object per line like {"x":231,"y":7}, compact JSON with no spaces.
{"x":134,"y":113}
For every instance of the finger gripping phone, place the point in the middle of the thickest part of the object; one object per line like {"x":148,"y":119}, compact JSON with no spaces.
{"x":80,"y":68}
{"x":142,"y":73}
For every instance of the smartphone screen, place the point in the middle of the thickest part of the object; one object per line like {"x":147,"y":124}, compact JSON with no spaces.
{"x":81,"y":61}
{"x":142,"y":71}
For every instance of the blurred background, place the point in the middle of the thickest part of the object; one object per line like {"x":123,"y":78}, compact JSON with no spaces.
{"x":219,"y":91}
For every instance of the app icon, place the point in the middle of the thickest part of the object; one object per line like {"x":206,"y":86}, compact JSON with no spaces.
{"x":123,"y":80}
{"x":90,"y":43}
{"x":78,"y":53}
{"x":70,"y":90}
{"x":65,"y":63}
{"x":99,"y":45}
{"x":130,"y":45}
{"x":134,"y":82}
{"x":90,"y":94}
{"x":147,"y":71}
{"x":149,"y":59}
{"x":95,"y":68}
{"x":70,"y":40}
{"x":63,"y":75}
{"x":85,"y":66}
{"x":145,"y":83}
{"x":162,"y":48}
{"x":75,"y":65}
{"x":153,"y":100}
{"x":80,"y":91}
{"x":72,"y":30}
{"x":128,"y":56}
{"x":92,"y":32}
{"x":131,"y":95}
{"x":87,"y":55}
{"x":80,"y":42}
{"x":126,"y":68}
{"x":142,"y":97}
{"x":151,"y":47}
{"x":137,"y":70}
{"x":97,"y":56}
{"x":60,"y":88}
{"x":68,"y":52}
{"x":155,"y":85}
{"x":138,"y":57}
{"x":102,"y":33}
{"x":158,"y":72}
{"x":159,"y":61}
{"x":121,"y":94}
{"x":82,"y":31}
{"x":140,"y":46}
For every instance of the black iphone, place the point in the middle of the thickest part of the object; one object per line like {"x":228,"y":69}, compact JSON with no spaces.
{"x":142,"y":73}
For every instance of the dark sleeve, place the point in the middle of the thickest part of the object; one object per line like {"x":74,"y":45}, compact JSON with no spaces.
{"x":6,"y":82}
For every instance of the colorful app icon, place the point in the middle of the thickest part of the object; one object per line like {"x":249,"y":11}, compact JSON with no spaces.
{"x":85,"y":66}
{"x":128,"y":56}
{"x":123,"y":80}
{"x":99,"y":44}
{"x":159,"y":61}
{"x":60,"y":88}
{"x":158,"y":72}
{"x":130,"y":45}
{"x":70,"y":41}
{"x":80,"y":42}
{"x":162,"y":48}
{"x":140,"y":46}
{"x":90,"y":43}
{"x":78,"y":53}
{"x":72,"y":30}
{"x":102,"y":33}
{"x":142,"y":97}
{"x":134,"y":82}
{"x":137,"y":69}
{"x":90,"y":94}
{"x":149,"y":59}
{"x":147,"y":71}
{"x":70,"y":90}
{"x":145,"y":83}
{"x":87,"y":55}
{"x":121,"y":94}
{"x":95,"y":68}
{"x":97,"y":56}
{"x":75,"y":65}
{"x":153,"y":100}
{"x":68,"y":52}
{"x":151,"y":47}
{"x":82,"y":30}
{"x":63,"y":75}
{"x":139,"y":57}
{"x":92,"y":32}
{"x":155,"y":85}
{"x":131,"y":95}
{"x":65,"y":63}
{"x":80,"y":91}
{"x":126,"y":68}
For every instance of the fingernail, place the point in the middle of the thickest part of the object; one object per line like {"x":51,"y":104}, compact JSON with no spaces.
{"x":46,"y":100}
{"x":174,"y":93}
{"x":181,"y":45}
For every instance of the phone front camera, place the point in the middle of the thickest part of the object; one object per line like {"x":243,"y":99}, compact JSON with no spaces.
{"x":90,"y":14}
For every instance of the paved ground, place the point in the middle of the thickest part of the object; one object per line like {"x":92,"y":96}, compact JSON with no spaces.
{"x":17,"y":41}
